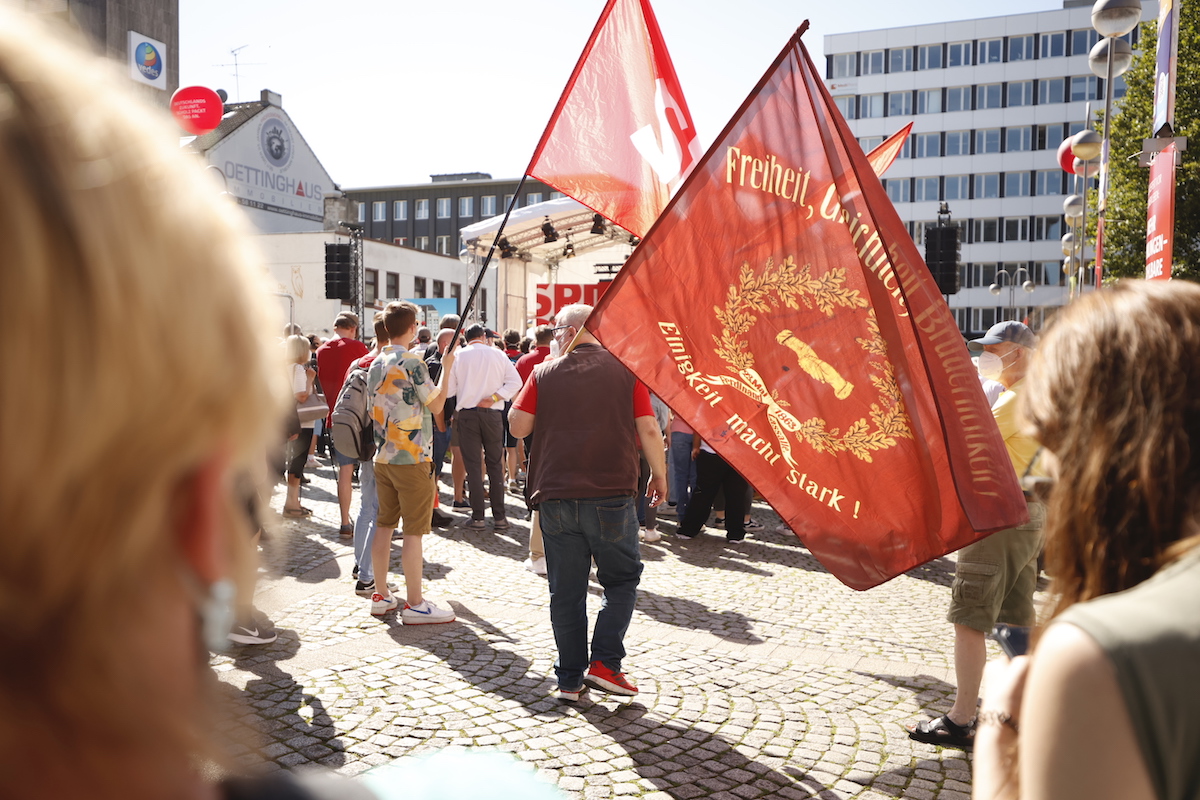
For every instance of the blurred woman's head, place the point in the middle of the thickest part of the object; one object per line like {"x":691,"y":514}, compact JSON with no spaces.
{"x":1114,"y":396}
{"x":298,"y":350}
{"x":122,"y":451}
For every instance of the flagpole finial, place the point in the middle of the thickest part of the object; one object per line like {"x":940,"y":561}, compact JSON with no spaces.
{"x":803,"y":27}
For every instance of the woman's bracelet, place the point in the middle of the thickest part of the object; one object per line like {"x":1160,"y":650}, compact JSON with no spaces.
{"x":997,"y":718}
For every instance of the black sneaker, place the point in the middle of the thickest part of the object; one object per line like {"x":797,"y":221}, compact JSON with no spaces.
{"x":354,"y":572}
{"x":255,"y":630}
{"x":368,"y":588}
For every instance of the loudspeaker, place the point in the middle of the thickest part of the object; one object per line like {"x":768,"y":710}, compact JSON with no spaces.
{"x":339,"y":272}
{"x":941,"y":256}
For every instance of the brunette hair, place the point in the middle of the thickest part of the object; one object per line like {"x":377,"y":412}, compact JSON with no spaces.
{"x":1114,"y":395}
{"x":399,"y":317}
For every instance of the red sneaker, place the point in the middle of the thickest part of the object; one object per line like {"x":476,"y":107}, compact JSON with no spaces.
{"x":605,"y":680}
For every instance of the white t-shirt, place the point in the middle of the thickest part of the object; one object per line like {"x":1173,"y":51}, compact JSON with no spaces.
{"x":299,"y":384}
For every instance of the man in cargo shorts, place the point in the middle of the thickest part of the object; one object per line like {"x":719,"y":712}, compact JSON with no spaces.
{"x":996,"y":577}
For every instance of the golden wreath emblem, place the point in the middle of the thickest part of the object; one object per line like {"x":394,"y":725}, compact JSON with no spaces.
{"x":787,"y":285}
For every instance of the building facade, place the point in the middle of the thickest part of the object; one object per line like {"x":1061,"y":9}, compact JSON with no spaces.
{"x":991,"y":100}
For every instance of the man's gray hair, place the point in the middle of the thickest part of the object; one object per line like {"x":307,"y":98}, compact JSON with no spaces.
{"x":574,"y":315}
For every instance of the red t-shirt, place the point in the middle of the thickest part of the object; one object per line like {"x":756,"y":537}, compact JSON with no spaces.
{"x":527,"y":362}
{"x":334,"y":359}
{"x":527,"y":399}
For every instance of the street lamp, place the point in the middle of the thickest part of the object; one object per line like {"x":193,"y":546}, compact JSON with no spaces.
{"x":1027,"y":286}
{"x":1111,"y":19}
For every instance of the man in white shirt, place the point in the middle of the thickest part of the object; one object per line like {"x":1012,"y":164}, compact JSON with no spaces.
{"x":482,"y":379}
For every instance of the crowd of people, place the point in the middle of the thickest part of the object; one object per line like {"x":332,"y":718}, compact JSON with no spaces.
{"x":138,"y":474}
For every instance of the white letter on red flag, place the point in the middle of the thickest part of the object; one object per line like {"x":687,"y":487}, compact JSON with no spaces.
{"x":621,"y":139}
{"x":780,"y":306}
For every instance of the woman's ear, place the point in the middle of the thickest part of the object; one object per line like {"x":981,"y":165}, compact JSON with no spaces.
{"x":199,"y":523}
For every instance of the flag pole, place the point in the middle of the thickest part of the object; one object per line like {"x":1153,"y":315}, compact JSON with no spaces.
{"x":462,"y":317}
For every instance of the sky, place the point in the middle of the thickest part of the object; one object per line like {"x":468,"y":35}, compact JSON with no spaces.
{"x":389,"y":92}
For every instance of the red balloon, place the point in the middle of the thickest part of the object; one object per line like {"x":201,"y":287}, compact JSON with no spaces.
{"x":1066,"y":159}
{"x":197,"y":109}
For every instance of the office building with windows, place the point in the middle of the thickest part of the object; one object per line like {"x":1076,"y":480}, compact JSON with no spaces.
{"x":428,"y":216}
{"x":991,"y":100}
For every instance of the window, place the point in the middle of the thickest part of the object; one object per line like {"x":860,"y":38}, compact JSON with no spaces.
{"x":899,"y":104}
{"x":958,"y":187}
{"x":362,"y":212}
{"x":393,"y":286}
{"x":378,"y":211}
{"x":1048,"y":181}
{"x":1016,"y":184}
{"x":958,"y":98}
{"x":872,"y":62}
{"x":929,"y":101}
{"x":1084,"y":88}
{"x":900,"y":60}
{"x":1016,"y":230}
{"x":1119,"y":87}
{"x":443,"y":208}
{"x":897,"y":189}
{"x":1020,"y":48}
{"x":958,"y":143}
{"x":959,"y":54}
{"x":1052,"y":90}
{"x":456,"y":293}
{"x":1083,"y":41}
{"x":1054,"y":44}
{"x":508,"y":198}
{"x":928,"y":145}
{"x":843,"y":65}
{"x":439,"y":288}
{"x":1018,"y":139}
{"x":870,"y":105}
{"x":987,"y":140}
{"x":990,"y":51}
{"x":987,"y":95}
{"x":532,"y":198}
{"x":987,"y":185}
{"x":1052,"y":273}
{"x":419,"y":287}
{"x":986,"y":230}
{"x":370,"y":286}
{"x":1047,"y":137}
{"x":466,"y":206}
{"x":400,"y":240}
{"x":487,"y":205}
{"x":846,"y":105}
{"x":422,"y":209}
{"x":1020,"y":93}
{"x":1047,"y":228}
{"x":983,"y":274}
{"x":925,"y":189}
{"x":929,"y":56}
{"x":422,"y":244}
{"x":557,"y":195}
{"x":869,"y":143}
{"x":400,"y":209}
{"x":443,"y":245}
{"x":982,"y":318}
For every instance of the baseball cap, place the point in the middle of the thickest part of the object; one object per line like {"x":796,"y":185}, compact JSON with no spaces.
{"x":1010,"y":331}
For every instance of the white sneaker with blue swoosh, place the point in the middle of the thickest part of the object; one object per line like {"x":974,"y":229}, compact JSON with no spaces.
{"x":425,"y":613}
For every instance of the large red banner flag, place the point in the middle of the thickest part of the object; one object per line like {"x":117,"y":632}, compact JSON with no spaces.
{"x":781,"y":308}
{"x":621,"y":139}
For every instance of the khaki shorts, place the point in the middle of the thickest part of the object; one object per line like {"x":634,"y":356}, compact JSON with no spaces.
{"x":996,"y":577}
{"x":405,"y":490}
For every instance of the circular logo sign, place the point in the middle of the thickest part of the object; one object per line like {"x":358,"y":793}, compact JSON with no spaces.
{"x":197,"y":109}
{"x":148,"y":60}
{"x":275,"y":140}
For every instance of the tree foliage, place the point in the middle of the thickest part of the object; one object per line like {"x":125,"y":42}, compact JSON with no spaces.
{"x":1125,"y":225}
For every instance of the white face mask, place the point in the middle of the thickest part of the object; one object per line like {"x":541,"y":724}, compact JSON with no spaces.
{"x":990,"y":366}
{"x":554,"y":348}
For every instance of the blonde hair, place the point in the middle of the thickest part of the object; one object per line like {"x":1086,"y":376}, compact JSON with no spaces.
{"x":106,"y":221}
{"x":298,"y":349}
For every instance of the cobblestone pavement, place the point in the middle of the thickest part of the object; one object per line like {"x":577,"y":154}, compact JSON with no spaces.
{"x":761,"y":676}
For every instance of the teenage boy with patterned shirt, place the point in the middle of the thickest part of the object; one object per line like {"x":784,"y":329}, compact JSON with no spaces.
{"x":403,"y":401}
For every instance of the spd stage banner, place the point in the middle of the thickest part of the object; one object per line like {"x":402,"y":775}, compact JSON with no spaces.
{"x":781,"y":308}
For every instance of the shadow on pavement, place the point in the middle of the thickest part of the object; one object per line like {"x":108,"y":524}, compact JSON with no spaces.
{"x":939,"y":571}
{"x":692,"y":615}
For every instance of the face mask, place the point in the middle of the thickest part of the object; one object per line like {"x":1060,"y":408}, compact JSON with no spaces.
{"x":990,"y":366}
{"x":554,"y":348}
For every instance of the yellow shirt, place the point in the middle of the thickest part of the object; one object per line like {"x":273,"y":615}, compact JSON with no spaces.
{"x":1021,"y":447}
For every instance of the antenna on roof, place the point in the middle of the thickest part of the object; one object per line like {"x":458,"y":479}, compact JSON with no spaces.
{"x":236,"y":74}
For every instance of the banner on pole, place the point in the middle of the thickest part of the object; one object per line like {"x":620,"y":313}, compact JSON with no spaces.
{"x":781,"y":308}
{"x":1160,"y":215}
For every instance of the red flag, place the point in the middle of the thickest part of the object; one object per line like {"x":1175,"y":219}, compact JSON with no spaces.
{"x":621,"y":139}
{"x":882,"y":157}
{"x":780,"y":306}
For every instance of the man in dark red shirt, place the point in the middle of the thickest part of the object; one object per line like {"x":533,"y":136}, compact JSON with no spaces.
{"x":583,"y":478}
{"x":541,"y":338}
{"x":334,"y":359}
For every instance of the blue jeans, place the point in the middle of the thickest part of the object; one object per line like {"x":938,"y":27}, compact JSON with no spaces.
{"x":574,"y":532}
{"x":364,"y":526}
{"x":683,"y":472}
